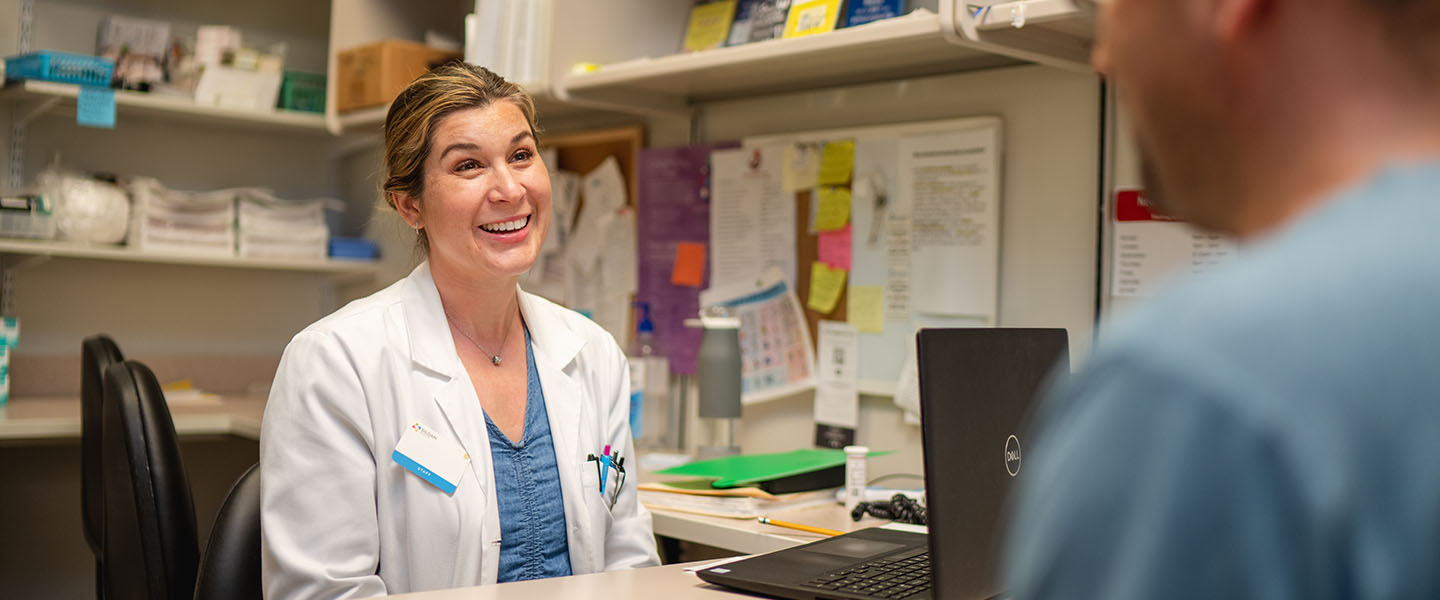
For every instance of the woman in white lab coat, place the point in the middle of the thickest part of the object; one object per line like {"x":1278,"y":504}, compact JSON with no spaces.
{"x":451,"y":430}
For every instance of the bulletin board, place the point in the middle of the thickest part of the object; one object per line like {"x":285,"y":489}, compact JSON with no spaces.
{"x":929,"y":249}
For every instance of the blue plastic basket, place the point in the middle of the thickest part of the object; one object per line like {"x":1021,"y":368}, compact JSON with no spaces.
{"x":61,"y":67}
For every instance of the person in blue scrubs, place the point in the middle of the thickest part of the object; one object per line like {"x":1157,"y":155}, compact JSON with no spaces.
{"x":1270,"y":429}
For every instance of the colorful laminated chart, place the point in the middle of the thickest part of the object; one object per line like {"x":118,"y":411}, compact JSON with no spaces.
{"x":776,"y":356}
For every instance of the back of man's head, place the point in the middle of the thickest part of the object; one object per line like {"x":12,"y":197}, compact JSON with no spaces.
{"x":1414,"y":26}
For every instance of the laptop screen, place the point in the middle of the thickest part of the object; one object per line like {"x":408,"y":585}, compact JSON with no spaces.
{"x":976,"y":388}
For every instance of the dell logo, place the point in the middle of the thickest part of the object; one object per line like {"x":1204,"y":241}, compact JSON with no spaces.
{"x":1012,"y":455}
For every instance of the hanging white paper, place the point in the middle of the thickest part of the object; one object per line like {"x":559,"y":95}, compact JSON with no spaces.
{"x":752,"y":218}
{"x":954,"y":221}
{"x":837,"y":395}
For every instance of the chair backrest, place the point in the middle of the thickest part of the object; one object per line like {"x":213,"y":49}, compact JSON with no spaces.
{"x":96,"y":353}
{"x":230,"y":568}
{"x":149,"y":543}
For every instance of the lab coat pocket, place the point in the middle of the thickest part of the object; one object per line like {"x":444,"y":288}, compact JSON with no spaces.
{"x":596,"y":502}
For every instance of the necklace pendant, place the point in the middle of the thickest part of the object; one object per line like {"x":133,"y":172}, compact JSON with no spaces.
{"x":495,"y":360}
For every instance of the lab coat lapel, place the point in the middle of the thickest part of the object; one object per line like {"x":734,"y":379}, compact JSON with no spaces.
{"x":556,"y":346}
{"x":440,"y":375}
{"x":433,"y":350}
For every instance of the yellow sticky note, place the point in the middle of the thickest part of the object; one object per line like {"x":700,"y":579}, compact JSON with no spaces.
{"x":866,"y":309}
{"x":825,"y":287}
{"x":834,"y":210}
{"x":836,"y":162}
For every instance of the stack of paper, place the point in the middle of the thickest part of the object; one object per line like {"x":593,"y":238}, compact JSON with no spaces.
{"x":165,"y":220}
{"x":698,"y":497}
{"x":273,"y":228}
{"x":508,"y":37}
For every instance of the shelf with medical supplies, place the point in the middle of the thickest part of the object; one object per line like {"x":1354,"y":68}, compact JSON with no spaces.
{"x":959,"y":38}
{"x":19,"y":251}
{"x":32,"y":99}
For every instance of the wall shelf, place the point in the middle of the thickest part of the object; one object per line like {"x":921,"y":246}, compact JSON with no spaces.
{"x":1057,"y":33}
{"x":1051,"y":32}
{"x":908,"y":46}
{"x":341,"y":269}
{"x":48,"y":97}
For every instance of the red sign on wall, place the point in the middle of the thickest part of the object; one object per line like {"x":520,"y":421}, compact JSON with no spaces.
{"x":1130,"y":205}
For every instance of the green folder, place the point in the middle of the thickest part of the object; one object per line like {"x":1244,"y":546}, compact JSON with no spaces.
{"x":777,"y":473}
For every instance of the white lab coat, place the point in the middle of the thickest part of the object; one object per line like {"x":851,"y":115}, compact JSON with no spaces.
{"x":340,"y":518}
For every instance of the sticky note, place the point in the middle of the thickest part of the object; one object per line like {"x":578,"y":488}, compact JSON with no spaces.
{"x":866,"y":308}
{"x":95,"y":107}
{"x":836,"y":162}
{"x":826,"y":284}
{"x":800,"y":168}
{"x":835,"y":248}
{"x":689,"y":267}
{"x":834,"y":208}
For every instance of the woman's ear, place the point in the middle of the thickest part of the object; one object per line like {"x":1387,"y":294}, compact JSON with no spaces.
{"x":409,"y":208}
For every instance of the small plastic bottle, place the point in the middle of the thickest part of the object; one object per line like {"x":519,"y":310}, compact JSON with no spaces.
{"x":650,"y":410}
{"x":855,"y":475}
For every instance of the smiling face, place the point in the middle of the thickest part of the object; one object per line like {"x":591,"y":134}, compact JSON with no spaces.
{"x":485,"y":204}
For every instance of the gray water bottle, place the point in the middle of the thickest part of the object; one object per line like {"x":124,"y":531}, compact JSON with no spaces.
{"x":719,"y":366}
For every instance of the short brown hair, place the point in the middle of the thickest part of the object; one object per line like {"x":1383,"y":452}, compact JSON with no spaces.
{"x":411,"y":120}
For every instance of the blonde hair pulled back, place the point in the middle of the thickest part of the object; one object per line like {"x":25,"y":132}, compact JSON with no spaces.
{"x":414,"y":115}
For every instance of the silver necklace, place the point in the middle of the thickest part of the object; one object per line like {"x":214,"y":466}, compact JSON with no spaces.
{"x":494,"y":356}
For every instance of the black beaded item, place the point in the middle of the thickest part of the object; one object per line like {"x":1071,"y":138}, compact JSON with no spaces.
{"x":900,"y":508}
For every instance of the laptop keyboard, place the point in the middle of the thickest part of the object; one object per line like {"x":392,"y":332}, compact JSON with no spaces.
{"x":884,"y":578}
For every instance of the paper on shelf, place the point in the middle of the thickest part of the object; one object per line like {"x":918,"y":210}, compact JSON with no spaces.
{"x":733,"y":507}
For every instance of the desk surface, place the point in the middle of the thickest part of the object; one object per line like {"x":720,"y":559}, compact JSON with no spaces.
{"x":59,"y":417}
{"x":670,"y":582}
{"x":747,"y":536}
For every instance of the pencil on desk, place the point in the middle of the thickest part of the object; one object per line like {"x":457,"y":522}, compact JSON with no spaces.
{"x":797,"y":526}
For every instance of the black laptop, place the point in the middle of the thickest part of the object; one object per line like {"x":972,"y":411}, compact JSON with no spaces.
{"x":976,"y":388}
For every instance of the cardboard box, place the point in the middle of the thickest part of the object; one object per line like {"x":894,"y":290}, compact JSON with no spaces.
{"x":372,"y":75}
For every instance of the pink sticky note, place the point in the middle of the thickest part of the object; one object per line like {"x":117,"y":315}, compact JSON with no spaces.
{"x":835,"y":248}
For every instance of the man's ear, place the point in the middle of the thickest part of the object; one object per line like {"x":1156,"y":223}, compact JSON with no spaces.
{"x":1235,"y":20}
{"x":409,"y":208}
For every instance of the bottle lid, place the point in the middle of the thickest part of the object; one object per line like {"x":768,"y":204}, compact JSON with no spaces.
{"x":857,"y":450}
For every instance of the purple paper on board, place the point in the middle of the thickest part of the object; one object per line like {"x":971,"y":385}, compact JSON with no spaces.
{"x":673,"y":206}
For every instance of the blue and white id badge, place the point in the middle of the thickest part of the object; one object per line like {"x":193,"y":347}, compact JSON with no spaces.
{"x":435,"y":460}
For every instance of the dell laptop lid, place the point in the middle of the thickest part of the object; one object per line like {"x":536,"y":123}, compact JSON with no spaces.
{"x":976,"y":387}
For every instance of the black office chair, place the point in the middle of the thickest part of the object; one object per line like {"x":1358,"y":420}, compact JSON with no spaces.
{"x":96,"y":353}
{"x":230,"y":568}
{"x":149,"y":542}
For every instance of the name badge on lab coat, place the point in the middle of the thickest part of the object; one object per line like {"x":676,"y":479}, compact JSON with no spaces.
{"x":440,"y":462}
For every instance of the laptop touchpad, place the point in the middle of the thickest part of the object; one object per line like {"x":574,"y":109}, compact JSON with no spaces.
{"x":853,"y":547}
